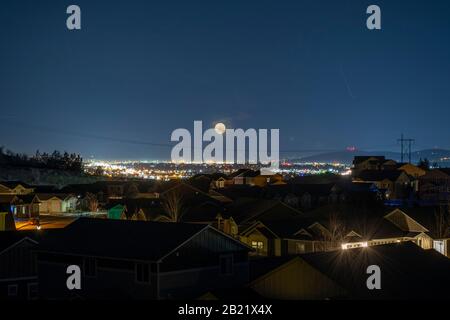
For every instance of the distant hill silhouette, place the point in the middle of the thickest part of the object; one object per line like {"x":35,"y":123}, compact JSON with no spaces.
{"x":433,"y":155}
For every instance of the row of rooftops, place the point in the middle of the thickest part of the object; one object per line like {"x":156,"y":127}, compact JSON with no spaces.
{"x":357,"y":226}
{"x":239,"y":202}
{"x":407,"y":270}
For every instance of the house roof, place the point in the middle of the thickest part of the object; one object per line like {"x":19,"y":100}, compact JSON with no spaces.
{"x":204,"y":212}
{"x":407,"y":271}
{"x":380,"y":175}
{"x":7,"y":198}
{"x":367,"y":221}
{"x":45,"y":189}
{"x":123,"y":239}
{"x":445,"y":170}
{"x":237,"y":173}
{"x":256,"y":209}
{"x":10,"y":238}
{"x":13,"y":184}
{"x":190,"y":192}
{"x":239,"y":191}
{"x":299,"y":189}
{"x":360,"y":159}
{"x":287,"y":228}
{"x":48,"y":196}
{"x":260,"y":266}
{"x":428,"y":217}
{"x":245,"y":173}
{"x":27,"y":198}
{"x":356,"y":187}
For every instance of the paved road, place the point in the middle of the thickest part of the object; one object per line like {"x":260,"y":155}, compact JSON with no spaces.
{"x":46,"y":222}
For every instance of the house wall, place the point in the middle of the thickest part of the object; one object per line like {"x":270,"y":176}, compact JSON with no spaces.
{"x":299,"y":246}
{"x":18,"y":268}
{"x":297,"y":280}
{"x":442,"y":246}
{"x":261,"y":181}
{"x":26,"y":210}
{"x":258,"y":237}
{"x":229,"y":227}
{"x":69,"y":204}
{"x":424,"y":241}
{"x":195,"y":267}
{"x":192,"y":283}
{"x":53,"y":205}
{"x":115,"y":279}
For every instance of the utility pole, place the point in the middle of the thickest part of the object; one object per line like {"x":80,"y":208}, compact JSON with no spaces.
{"x":405,"y":147}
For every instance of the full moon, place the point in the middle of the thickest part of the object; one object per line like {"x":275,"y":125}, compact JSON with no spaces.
{"x":220,"y":128}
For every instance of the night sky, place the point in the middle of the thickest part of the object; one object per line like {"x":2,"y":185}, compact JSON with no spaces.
{"x":140,"y":69}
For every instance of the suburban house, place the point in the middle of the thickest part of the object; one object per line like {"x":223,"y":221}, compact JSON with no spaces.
{"x":396,"y":184}
{"x":411,"y":170}
{"x":273,"y":228}
{"x":25,"y":206}
{"x":7,"y":222}
{"x":362,"y":163}
{"x":51,"y":203}
{"x":243,"y":176}
{"x":117,"y":212}
{"x":407,"y":272}
{"x":253,"y":178}
{"x":14,"y":187}
{"x":434,"y":186}
{"x":124,"y":259}
{"x":437,"y":221}
{"x":285,"y":237}
{"x":304,"y":195}
{"x":221,"y":182}
{"x":88,"y":202}
{"x":18,"y":273}
{"x":194,"y":206}
{"x":394,"y":226}
{"x":398,"y":227}
{"x":7,"y":201}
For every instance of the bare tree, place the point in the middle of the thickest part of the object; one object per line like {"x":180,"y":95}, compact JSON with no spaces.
{"x":442,"y":222}
{"x":174,"y":206}
{"x":92,"y":202}
{"x":336,"y":232}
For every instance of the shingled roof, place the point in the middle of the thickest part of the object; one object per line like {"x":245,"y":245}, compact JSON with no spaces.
{"x":380,"y":175}
{"x":124,"y":239}
{"x":407,"y":271}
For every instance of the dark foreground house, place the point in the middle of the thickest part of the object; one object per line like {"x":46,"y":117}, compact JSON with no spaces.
{"x":121,"y":259}
{"x":18,"y":276}
{"x":406,"y":272}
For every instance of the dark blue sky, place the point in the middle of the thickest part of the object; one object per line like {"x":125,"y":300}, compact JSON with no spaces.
{"x":139,"y":69}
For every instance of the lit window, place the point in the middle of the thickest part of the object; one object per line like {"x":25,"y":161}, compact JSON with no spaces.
{"x":439,"y":246}
{"x":257,"y":245}
{"x":300,"y":247}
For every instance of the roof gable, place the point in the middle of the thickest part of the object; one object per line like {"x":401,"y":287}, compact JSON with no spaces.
{"x":123,"y":239}
{"x":404,"y":222}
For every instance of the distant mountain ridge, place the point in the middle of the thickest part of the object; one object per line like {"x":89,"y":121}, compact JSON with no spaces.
{"x":440,"y":156}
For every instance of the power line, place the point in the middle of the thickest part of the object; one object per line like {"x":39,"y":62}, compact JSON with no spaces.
{"x":405,"y":148}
